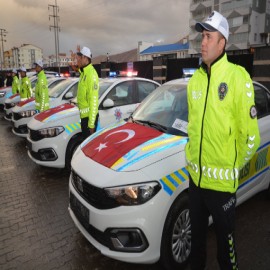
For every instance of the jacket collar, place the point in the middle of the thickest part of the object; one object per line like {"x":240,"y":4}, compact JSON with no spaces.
{"x":220,"y":59}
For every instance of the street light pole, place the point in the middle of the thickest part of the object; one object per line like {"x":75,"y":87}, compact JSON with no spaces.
{"x":3,"y":33}
{"x":56,"y":18}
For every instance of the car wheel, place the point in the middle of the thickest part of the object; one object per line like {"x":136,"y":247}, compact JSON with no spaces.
{"x":176,"y":237}
{"x":71,"y":148}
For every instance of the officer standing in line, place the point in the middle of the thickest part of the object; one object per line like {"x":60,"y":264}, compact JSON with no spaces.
{"x":41,"y":88}
{"x":87,"y":96}
{"x":26,"y":90}
{"x":15,"y":82}
{"x":223,"y":136}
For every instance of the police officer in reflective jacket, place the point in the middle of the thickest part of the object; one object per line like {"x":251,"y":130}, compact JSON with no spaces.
{"x":223,"y":136}
{"x":26,"y":90}
{"x":87,"y":96}
{"x":41,"y":88}
{"x":15,"y":82}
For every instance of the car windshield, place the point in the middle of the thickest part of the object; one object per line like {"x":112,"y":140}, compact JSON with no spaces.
{"x":57,"y":90}
{"x":165,"y":109}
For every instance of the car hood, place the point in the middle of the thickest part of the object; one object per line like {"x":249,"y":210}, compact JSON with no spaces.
{"x":13,"y":98}
{"x":24,"y":105}
{"x":57,"y":113}
{"x":131,"y":146}
{"x":30,"y":104}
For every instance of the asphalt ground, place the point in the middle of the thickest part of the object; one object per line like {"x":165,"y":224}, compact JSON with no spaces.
{"x":36,"y":231}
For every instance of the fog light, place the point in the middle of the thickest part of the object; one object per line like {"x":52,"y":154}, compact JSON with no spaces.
{"x":47,"y":154}
{"x":128,"y":240}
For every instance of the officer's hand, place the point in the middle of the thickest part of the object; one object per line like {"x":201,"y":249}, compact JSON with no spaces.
{"x":92,"y":130}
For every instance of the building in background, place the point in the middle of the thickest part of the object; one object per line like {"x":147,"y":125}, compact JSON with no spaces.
{"x":63,"y":59}
{"x":249,"y":22}
{"x":149,"y":51}
{"x":25,"y":55}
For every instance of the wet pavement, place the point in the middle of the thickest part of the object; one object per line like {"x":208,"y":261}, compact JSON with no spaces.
{"x":36,"y":231}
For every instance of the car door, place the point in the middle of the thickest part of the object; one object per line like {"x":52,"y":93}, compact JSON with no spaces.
{"x":254,"y":173}
{"x":124,"y":103}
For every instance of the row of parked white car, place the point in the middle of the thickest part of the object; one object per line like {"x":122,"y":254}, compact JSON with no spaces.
{"x":128,"y":183}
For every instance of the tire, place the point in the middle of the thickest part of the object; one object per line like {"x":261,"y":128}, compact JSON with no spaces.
{"x":71,"y":148}
{"x":176,"y":237}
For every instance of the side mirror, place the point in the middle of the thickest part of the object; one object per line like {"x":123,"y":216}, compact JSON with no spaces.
{"x":69,"y":95}
{"x":108,"y":103}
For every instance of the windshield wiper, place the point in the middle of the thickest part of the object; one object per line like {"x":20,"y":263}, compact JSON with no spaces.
{"x":152,"y":124}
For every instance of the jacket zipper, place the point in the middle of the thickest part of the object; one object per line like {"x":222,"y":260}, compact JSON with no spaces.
{"x":200,"y":157}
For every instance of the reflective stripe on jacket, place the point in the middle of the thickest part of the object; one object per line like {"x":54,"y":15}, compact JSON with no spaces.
{"x":42,"y":92}
{"x":87,"y":96}
{"x":223,"y":129}
{"x":15,"y":85}
{"x":26,"y":91}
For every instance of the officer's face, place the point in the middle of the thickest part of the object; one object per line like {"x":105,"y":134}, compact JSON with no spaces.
{"x":82,"y":60}
{"x":212,"y":46}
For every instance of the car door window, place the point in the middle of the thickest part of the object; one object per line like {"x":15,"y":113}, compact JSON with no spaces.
{"x":73,"y":89}
{"x":122,"y":94}
{"x":144,"y":89}
{"x":262,"y":101}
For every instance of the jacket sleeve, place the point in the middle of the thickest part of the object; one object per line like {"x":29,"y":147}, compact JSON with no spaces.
{"x":43,"y":95}
{"x":93,"y":99}
{"x":29,"y":89}
{"x":248,"y":139}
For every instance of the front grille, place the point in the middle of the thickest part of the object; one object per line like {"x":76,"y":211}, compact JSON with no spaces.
{"x":21,"y":129}
{"x":35,"y":135}
{"x":16,"y":116}
{"x":95,"y":196}
{"x":8,"y":116}
{"x":9,"y":105}
{"x":101,"y":237}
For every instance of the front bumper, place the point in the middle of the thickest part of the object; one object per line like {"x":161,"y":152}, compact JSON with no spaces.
{"x":48,"y":152}
{"x":127,"y":233}
{"x":20,"y":126}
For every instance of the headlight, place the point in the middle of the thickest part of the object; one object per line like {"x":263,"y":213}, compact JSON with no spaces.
{"x":26,"y":114}
{"x":2,"y":94}
{"x":50,"y":132}
{"x":134,"y":194}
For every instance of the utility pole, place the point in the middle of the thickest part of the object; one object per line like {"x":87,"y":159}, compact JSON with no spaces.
{"x":56,"y":28}
{"x":3,"y":33}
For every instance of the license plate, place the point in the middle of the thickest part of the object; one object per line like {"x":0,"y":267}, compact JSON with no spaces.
{"x":80,"y":211}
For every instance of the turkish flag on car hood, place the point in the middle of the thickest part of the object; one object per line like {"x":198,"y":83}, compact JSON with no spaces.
{"x":24,"y":102}
{"x":111,"y":145}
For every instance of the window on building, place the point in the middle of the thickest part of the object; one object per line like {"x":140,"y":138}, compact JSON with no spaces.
{"x":255,"y":36}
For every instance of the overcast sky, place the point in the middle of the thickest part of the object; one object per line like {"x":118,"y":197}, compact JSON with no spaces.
{"x":105,"y":26}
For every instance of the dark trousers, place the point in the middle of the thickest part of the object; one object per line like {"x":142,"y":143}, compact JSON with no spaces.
{"x":85,"y":128}
{"x":221,"y":206}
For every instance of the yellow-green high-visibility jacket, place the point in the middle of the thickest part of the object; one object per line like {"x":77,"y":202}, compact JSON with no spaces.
{"x":42,"y":92}
{"x":26,"y":90}
{"x":87,"y":96}
{"x":222,"y":125}
{"x":15,"y":85}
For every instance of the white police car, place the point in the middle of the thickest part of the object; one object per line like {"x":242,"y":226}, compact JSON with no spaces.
{"x":5,"y":92}
{"x":129,"y":182}
{"x":55,"y":134}
{"x":12,"y":101}
{"x":23,"y":112}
